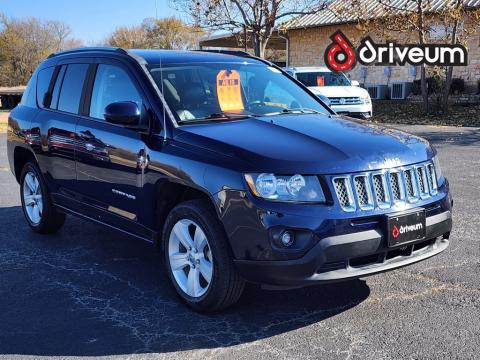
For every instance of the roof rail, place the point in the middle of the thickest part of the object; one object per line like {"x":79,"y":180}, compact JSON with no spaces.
{"x":87,"y":49}
{"x":228,"y":52}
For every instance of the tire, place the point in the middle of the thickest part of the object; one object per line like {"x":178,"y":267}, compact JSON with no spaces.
{"x":38,"y":209}
{"x":225,"y":286}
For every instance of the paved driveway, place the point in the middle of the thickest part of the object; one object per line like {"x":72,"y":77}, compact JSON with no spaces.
{"x":90,"y":291}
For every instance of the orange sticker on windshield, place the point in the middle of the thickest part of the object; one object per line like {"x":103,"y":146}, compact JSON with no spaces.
{"x":320,"y":81}
{"x":229,"y":92}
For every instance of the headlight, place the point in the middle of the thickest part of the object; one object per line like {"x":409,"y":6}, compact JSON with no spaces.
{"x":438,"y":170}
{"x":366,"y":100}
{"x":296,"y":188}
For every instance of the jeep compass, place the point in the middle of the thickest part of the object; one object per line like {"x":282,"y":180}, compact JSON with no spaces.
{"x":234,"y":169}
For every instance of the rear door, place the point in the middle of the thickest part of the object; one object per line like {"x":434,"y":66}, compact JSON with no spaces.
{"x":110,"y":159}
{"x":59,"y":94}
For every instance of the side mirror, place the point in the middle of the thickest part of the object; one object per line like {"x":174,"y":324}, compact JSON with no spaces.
{"x":123,"y":113}
{"x":355,"y":83}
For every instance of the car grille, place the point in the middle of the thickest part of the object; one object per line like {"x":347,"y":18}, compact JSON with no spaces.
{"x":384,"y":189}
{"x":345,"y":100}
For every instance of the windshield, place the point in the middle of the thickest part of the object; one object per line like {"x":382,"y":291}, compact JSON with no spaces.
{"x":207,"y":91}
{"x":323,"y":78}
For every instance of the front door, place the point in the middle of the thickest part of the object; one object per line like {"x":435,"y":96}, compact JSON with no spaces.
{"x":110,"y":159}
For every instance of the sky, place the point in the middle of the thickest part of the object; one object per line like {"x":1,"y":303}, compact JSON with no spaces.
{"x":90,"y":20}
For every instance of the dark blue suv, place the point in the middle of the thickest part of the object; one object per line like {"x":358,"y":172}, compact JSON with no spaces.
{"x":234,"y":169}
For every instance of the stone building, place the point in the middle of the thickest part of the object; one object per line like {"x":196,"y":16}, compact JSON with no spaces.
{"x":309,"y":35}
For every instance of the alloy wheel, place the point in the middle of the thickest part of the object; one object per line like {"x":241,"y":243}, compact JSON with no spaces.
{"x":190,"y":258}
{"x":32,"y":197}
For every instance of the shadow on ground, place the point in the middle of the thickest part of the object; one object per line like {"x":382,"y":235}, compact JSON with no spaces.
{"x":92,"y":291}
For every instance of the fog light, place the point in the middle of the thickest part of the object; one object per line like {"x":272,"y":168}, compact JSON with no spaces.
{"x":287,"y":239}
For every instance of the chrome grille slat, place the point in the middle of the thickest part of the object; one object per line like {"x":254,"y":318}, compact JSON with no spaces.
{"x":396,"y":186}
{"x":363,"y":191}
{"x":432,"y":179}
{"x":386,"y":188}
{"x":355,"y":100}
{"x":344,"y":193}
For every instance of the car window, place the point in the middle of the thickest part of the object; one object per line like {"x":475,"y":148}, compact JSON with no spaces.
{"x":112,"y":84}
{"x":206,"y":90}
{"x":43,"y":82}
{"x":276,"y":95}
{"x":69,"y":100}
{"x":57,"y":86}
{"x":323,"y":78}
{"x":29,"y":97}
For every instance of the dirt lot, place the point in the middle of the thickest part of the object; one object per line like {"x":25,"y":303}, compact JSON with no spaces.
{"x":409,"y":112}
{"x":3,"y":120}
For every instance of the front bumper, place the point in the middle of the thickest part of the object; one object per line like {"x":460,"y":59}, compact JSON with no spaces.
{"x":363,"y":111}
{"x":349,"y":256}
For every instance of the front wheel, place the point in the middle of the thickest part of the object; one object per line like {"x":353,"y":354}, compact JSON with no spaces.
{"x":37,"y":207}
{"x":198,"y":259}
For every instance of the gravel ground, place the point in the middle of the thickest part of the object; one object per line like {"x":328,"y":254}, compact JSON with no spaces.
{"x":90,"y":291}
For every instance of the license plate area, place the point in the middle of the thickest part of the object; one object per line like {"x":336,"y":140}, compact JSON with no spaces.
{"x":405,"y":227}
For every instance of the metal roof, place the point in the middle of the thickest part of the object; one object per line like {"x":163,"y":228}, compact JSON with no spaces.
{"x":337,"y":12}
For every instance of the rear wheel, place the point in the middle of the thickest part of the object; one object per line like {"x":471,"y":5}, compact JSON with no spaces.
{"x":198,"y":259}
{"x":37,"y":207}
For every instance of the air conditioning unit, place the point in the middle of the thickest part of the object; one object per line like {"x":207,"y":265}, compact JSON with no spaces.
{"x":378,"y":92}
{"x":400,"y":90}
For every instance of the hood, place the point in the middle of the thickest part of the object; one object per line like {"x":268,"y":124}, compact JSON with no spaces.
{"x":339,"y":91}
{"x":307,"y":144}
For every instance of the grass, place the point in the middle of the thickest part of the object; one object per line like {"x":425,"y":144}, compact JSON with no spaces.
{"x":3,"y":120}
{"x":408,"y":112}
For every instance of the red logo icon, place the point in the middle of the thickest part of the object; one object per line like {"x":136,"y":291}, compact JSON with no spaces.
{"x":395,"y":232}
{"x":340,"y":55}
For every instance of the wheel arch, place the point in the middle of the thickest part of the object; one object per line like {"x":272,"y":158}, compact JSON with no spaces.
{"x":21,"y":156}
{"x":169,"y":194}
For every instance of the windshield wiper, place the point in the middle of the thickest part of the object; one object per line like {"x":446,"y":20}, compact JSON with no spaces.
{"x":226,"y":115}
{"x":218,"y":116}
{"x":296,"y":111}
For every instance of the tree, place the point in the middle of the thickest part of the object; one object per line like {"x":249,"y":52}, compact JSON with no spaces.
{"x":455,"y":31}
{"x":171,"y":33}
{"x":255,"y":17}
{"x":166,"y":33}
{"x":24,"y":43}
{"x":133,"y":37}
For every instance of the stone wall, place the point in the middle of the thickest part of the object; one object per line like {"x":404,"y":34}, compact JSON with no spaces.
{"x":307,"y":47}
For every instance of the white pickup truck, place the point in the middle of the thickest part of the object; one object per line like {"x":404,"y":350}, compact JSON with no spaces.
{"x":344,"y":96}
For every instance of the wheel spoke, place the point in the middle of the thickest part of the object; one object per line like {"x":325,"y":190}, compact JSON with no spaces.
{"x":178,"y":261}
{"x":206,"y":268}
{"x":193,"y":282}
{"x":30,"y":182}
{"x":29,"y":200}
{"x":35,"y":214}
{"x":181,"y":231}
{"x":40,"y":206}
{"x":199,"y":239}
{"x":36,"y":185}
